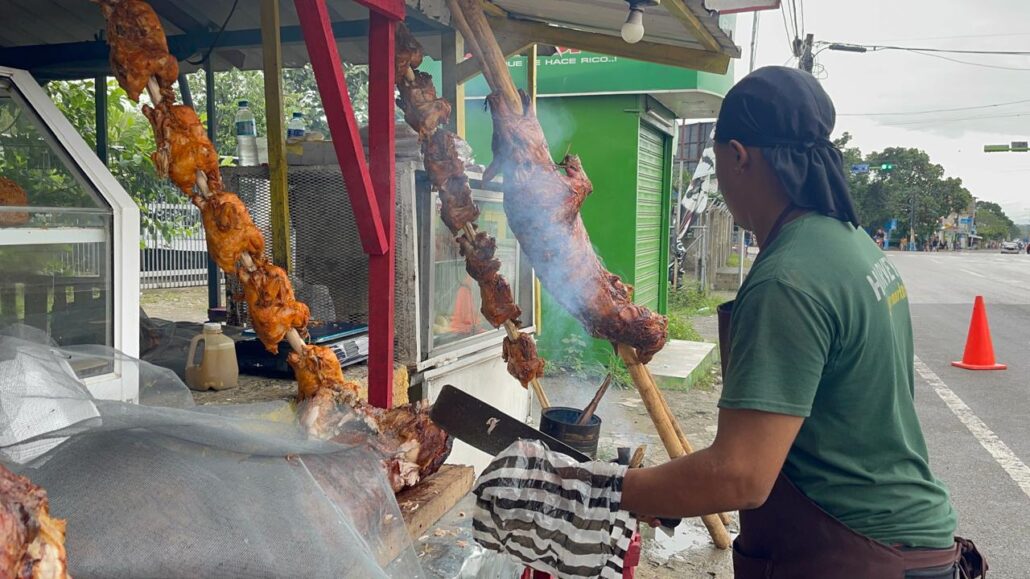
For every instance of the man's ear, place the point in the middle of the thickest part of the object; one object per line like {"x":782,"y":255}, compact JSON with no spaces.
{"x":742,"y":157}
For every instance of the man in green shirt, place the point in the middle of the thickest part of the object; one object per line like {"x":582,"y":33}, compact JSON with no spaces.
{"x":818,"y":444}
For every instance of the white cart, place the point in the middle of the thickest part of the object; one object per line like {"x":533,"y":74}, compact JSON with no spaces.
{"x":69,"y":251}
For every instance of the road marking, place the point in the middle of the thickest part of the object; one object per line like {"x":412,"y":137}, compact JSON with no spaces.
{"x":970,"y":272}
{"x":1003,"y":455}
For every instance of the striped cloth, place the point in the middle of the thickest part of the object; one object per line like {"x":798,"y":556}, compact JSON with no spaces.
{"x":552,"y":513}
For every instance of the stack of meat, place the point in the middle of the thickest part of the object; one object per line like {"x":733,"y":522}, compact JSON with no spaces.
{"x":425,"y":113}
{"x":31,"y":541}
{"x":141,"y":61}
{"x":542,"y":201}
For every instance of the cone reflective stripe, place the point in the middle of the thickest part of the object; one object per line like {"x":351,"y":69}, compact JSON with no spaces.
{"x":979,"y":354}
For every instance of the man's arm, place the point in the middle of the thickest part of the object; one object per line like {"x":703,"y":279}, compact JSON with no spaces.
{"x":737,"y":472}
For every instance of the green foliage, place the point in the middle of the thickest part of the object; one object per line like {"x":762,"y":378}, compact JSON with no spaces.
{"x":130,"y":143}
{"x":621,"y":377}
{"x":992,"y":223}
{"x":573,"y":354}
{"x":912,"y":185}
{"x":692,"y":300}
{"x":300,"y":94}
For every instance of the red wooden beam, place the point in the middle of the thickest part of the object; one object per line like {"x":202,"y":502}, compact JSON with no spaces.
{"x":332,"y":86}
{"x":393,"y":9}
{"x":381,"y":272}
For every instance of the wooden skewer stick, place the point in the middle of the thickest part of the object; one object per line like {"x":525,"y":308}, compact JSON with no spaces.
{"x":591,"y":407}
{"x":638,"y":457}
{"x":292,"y":336}
{"x":663,"y":422}
{"x":684,"y":442}
{"x":513,"y":333}
{"x":467,"y":16}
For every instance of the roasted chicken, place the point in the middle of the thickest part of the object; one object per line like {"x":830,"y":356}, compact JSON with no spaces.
{"x":230,"y":231}
{"x":542,"y":201}
{"x":31,"y":541}
{"x":411,"y":446}
{"x":273,"y":308}
{"x":139,"y":50}
{"x":183,"y":148}
{"x":12,"y":195}
{"x":317,"y":368}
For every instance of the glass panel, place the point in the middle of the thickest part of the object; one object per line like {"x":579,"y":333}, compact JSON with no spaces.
{"x":455,"y":295}
{"x":55,"y":234}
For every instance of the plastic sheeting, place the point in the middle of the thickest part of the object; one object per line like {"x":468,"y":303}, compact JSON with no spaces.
{"x":169,"y":489}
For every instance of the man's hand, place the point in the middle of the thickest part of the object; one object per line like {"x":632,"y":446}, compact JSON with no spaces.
{"x":737,"y":472}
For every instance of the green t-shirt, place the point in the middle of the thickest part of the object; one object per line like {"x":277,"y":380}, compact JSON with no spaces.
{"x":821,"y":329}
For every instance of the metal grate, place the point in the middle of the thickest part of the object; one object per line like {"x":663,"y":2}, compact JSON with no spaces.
{"x":330,"y":269}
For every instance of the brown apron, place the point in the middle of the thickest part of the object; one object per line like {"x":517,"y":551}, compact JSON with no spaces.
{"x":791,"y":537}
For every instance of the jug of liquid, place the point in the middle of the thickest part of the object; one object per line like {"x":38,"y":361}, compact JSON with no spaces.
{"x":217,"y":369}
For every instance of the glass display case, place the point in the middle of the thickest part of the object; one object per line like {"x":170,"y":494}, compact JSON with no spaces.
{"x":453,"y":321}
{"x":69,"y":235}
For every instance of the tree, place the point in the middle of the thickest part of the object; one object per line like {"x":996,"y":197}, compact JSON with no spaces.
{"x":993,"y":224}
{"x":300,"y":94}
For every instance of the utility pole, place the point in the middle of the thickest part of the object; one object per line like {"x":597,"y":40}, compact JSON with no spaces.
{"x":807,"y":60}
{"x":750,"y":68}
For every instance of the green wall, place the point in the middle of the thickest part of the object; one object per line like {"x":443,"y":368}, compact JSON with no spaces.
{"x":602,"y":130}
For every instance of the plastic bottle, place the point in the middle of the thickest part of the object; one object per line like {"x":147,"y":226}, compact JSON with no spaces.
{"x":296,"y":128}
{"x":218,"y":369}
{"x":246,"y":136}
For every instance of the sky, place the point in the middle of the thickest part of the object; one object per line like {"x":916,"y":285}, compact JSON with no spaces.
{"x":862,"y":85}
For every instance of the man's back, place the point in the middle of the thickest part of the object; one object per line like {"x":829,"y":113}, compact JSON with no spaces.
{"x":822,"y":330}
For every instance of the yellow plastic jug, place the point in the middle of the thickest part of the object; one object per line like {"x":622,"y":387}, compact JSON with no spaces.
{"x":218,"y":369}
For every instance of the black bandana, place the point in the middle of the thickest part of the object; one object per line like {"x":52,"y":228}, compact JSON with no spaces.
{"x":787,"y":114}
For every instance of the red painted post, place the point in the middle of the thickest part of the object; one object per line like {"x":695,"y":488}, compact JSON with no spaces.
{"x":325,"y":60}
{"x":393,"y":9}
{"x":381,"y":271}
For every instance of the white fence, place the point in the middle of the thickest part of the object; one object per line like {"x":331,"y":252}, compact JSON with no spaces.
{"x":179,"y":260}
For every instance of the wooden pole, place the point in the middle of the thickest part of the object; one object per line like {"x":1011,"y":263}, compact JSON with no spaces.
{"x":664,"y":422}
{"x":272,"y":58}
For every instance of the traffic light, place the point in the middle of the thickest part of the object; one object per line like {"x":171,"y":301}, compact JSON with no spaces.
{"x":887,"y":167}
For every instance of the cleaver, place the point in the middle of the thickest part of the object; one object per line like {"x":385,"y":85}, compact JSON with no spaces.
{"x":486,"y":428}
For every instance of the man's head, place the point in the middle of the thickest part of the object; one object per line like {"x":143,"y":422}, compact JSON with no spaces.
{"x":773,"y":149}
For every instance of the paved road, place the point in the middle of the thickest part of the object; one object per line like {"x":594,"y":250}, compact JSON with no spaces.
{"x":977,"y":424}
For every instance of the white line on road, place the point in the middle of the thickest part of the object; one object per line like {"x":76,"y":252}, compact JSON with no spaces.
{"x":970,"y":272}
{"x":997,"y":448}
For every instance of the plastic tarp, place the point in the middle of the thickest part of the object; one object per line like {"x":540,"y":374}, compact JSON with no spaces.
{"x":168,"y":489}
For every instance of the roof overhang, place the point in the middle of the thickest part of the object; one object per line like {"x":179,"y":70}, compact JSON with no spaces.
{"x":61,"y":39}
{"x":677,"y":32}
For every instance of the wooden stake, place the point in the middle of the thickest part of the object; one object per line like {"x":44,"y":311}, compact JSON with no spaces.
{"x":663,"y":422}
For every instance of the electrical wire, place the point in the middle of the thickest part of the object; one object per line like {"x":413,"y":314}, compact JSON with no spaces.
{"x":803,"y":28}
{"x":794,"y":9}
{"x":969,"y":63}
{"x":969,"y":108}
{"x":956,"y":120}
{"x":879,"y":47}
{"x":783,"y":12}
{"x":218,"y":36}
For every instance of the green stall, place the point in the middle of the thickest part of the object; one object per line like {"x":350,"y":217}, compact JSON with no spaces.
{"x":620,"y":116}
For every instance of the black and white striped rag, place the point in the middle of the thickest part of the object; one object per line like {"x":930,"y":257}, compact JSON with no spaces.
{"x":552,"y":513}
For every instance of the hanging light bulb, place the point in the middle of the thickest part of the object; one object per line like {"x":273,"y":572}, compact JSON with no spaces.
{"x":633,"y":30}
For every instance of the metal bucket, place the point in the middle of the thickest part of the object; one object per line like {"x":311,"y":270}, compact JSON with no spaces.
{"x":560,"y":422}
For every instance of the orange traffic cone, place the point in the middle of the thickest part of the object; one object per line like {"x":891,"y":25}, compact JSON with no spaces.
{"x":979,"y":354}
